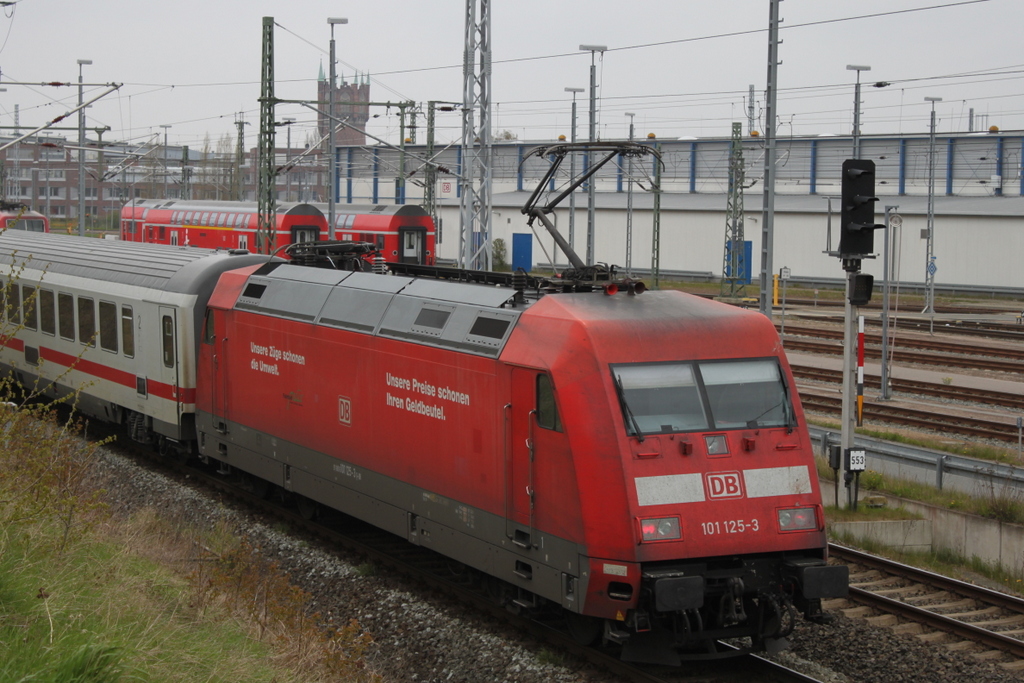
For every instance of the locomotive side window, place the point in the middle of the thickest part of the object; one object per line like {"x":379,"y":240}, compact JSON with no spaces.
{"x":86,"y":321}
{"x":108,"y":326}
{"x":66,"y":316}
{"x":209,"y":333}
{"x":167,"y":339}
{"x":28,"y":305}
{"x":47,"y":312}
{"x":128,"y":331}
{"x":547,"y":411}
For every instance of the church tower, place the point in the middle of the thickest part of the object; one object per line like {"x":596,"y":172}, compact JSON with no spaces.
{"x":351,"y":105}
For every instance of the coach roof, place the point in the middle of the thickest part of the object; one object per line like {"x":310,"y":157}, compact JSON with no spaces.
{"x":154,"y":266}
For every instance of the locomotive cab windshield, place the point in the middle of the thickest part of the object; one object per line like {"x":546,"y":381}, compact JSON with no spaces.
{"x":665,"y":398}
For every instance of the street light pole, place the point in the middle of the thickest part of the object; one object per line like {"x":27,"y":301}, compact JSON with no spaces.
{"x":929,"y":265}
{"x":81,"y":151}
{"x":856,"y":107}
{"x":167,"y":167}
{"x":593,"y":50}
{"x":572,"y":171}
{"x":333,"y":163}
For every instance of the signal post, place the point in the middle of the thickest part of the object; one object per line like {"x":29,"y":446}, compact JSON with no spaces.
{"x":856,"y":242}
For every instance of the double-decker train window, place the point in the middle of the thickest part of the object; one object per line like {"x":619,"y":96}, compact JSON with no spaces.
{"x":547,"y":411}
{"x":108,"y":326}
{"x":66,"y":316}
{"x":47,"y":312}
{"x":128,"y":331}
{"x":167,"y":340}
{"x":86,"y":321}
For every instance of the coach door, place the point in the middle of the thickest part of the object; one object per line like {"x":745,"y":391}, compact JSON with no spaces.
{"x":169,"y":355}
{"x":411,"y":241}
{"x":305,"y":233}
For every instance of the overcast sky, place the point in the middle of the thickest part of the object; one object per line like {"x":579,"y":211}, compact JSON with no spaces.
{"x":682,"y":66}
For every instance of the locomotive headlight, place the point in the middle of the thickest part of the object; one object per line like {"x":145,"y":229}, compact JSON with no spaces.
{"x":660,"y":529}
{"x":798,"y":519}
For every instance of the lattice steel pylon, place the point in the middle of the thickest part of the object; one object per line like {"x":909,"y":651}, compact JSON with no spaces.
{"x":733,"y":271}
{"x":475,"y":203}
{"x":265,"y":190}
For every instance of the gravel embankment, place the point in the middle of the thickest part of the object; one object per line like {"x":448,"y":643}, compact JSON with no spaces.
{"x":422,"y":636}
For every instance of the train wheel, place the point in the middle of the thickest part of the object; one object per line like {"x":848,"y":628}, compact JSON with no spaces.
{"x":308,"y":509}
{"x":583,"y":629}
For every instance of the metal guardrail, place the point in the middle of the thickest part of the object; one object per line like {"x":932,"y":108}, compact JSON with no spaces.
{"x":945,"y":471}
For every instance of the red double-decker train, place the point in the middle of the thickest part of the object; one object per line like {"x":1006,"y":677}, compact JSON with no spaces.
{"x":401,"y":233}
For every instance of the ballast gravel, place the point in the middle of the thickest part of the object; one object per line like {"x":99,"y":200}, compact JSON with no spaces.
{"x":422,"y":636}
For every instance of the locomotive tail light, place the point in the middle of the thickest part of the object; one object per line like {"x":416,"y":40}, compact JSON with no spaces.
{"x":611,"y":289}
{"x":660,"y":529}
{"x":685,"y":448}
{"x":637,"y":288}
{"x":749,"y":444}
{"x":798,"y":519}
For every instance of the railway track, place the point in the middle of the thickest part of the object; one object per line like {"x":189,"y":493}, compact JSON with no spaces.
{"x":930,"y":389}
{"x":922,"y":601}
{"x":922,"y":419}
{"x":919,"y":343}
{"x":943,"y":360}
{"x":971,"y":328}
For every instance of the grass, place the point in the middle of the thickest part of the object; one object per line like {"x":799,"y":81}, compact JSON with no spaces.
{"x":99,"y":612}
{"x":85,"y":597}
{"x":942,"y":561}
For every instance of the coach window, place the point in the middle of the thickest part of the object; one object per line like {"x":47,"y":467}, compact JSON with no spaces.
{"x":128,"y":331}
{"x":167,"y":337}
{"x":14,"y":304}
{"x":86,"y":321}
{"x":108,"y":326}
{"x":547,"y":412}
{"x":28,"y":306}
{"x":66,"y":316}
{"x":47,"y":312}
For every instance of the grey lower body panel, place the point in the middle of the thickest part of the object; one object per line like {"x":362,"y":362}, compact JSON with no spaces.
{"x":548,"y":566}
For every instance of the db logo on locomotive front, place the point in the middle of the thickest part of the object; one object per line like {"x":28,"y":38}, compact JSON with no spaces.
{"x":723,"y":485}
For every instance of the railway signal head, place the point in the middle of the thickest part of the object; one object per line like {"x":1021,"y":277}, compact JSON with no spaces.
{"x":857,"y":235}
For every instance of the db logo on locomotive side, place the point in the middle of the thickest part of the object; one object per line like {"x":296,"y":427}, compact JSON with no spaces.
{"x":723,"y":485}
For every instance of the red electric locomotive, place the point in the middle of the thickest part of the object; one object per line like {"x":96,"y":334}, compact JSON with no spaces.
{"x":640,"y":461}
{"x":402,"y":233}
{"x":15,"y":216}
